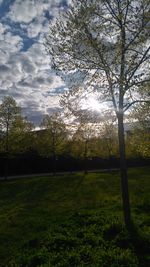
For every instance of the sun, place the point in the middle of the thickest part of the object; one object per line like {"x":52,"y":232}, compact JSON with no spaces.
{"x":93,"y":104}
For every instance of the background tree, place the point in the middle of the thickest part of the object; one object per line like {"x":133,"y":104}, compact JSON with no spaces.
{"x":83,"y":135}
{"x":138,"y":138}
{"x":138,"y":142}
{"x":108,"y":135}
{"x":9,"y":111}
{"x":21,"y":136}
{"x":108,"y":40}
{"x":53,"y":138}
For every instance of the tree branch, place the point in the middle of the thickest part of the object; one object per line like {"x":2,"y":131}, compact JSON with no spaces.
{"x":110,"y":9}
{"x":138,"y":64}
{"x":138,"y":83}
{"x":126,"y":14}
{"x":134,"y":102}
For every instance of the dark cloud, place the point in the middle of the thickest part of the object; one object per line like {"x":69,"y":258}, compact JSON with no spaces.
{"x":3,"y":92}
{"x":56,"y":91}
{"x":34,"y":115}
{"x":4,"y":68}
{"x":52,"y":110}
{"x":25,"y":84}
{"x":40,"y":80}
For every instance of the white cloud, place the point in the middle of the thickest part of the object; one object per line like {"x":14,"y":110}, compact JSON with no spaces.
{"x":39,"y":26}
{"x":26,"y":11}
{"x":2,"y":28}
{"x":28,"y":78}
{"x":38,"y":54}
{"x":9,"y":44}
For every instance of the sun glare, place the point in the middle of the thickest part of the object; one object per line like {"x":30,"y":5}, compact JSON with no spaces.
{"x":93,"y":104}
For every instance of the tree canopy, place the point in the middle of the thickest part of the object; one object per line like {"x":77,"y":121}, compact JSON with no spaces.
{"x":108,"y":41}
{"x":15,"y":129}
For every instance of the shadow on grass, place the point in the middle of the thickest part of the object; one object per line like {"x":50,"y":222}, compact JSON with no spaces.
{"x":87,"y":238}
{"x":141,"y":244}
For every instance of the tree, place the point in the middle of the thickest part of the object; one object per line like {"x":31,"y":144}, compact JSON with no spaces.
{"x":84,"y":134}
{"x":108,"y":41}
{"x":138,"y":139}
{"x":138,"y":142}
{"x":21,"y":135}
{"x":108,"y":135}
{"x":9,"y":111}
{"x":54,"y":136}
{"x":86,"y":123}
{"x":141,"y":114}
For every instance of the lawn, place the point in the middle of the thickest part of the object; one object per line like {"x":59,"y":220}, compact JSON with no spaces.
{"x":74,"y":220}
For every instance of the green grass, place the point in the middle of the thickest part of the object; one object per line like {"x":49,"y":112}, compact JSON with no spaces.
{"x":74,"y":220}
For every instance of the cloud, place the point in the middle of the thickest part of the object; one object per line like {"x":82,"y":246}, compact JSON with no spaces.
{"x":26,"y":11}
{"x":4,"y":69}
{"x":2,"y":28}
{"x":30,"y":81}
{"x":3,"y":92}
{"x":32,"y":112}
{"x":25,"y":71}
{"x":37,"y":27}
{"x":9,"y":43}
{"x":24,"y":65}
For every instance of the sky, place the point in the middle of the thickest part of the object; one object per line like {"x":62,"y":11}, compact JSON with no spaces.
{"x":25,"y":71}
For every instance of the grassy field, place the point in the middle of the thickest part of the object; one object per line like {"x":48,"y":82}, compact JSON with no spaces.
{"x":74,"y":220}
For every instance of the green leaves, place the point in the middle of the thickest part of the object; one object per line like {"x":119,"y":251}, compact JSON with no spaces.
{"x":52,"y":141}
{"x":110,"y":37}
{"x":8,"y":113}
{"x":14,"y":128}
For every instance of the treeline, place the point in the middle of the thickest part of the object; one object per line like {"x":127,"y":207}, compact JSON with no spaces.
{"x":60,"y":146}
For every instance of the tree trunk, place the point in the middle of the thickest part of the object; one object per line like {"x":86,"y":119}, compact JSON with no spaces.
{"x":54,"y":153}
{"x":123,"y":171}
{"x":54,"y":163}
{"x":85,"y":157}
{"x":6,"y":167}
{"x":6,"y":151}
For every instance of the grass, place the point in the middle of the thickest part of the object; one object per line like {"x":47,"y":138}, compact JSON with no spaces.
{"x":74,"y":220}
